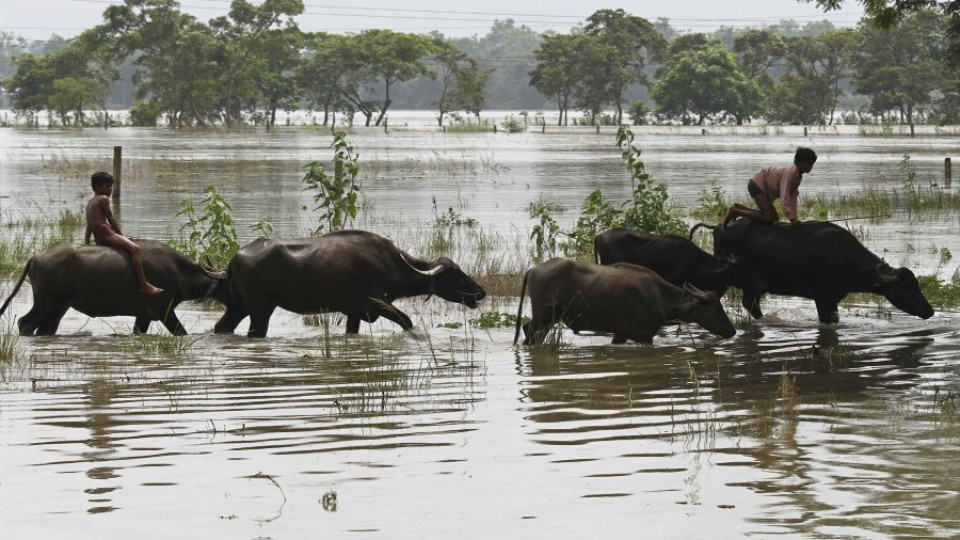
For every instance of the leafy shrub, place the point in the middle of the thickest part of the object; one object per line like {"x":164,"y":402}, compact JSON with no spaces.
{"x":208,"y":234}
{"x":336,"y":197}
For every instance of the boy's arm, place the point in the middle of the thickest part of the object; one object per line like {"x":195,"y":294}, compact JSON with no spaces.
{"x":789,"y":192}
{"x":108,"y":215}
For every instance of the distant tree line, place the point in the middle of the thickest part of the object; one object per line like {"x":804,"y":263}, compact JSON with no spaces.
{"x":161,"y":63}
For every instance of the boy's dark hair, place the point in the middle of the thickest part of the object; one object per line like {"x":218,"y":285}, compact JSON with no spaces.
{"x":804,"y":154}
{"x":99,"y":178}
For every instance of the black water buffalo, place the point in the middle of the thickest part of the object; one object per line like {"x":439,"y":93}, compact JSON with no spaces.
{"x":98,"y":281}
{"x":630,"y":301}
{"x":356,"y":273}
{"x":677,"y":260}
{"x":817,"y":260}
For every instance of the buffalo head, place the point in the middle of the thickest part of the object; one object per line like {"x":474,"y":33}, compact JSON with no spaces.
{"x":449,"y":282}
{"x":901,"y":288}
{"x":705,"y":309}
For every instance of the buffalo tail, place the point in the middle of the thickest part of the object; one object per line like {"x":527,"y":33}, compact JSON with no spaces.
{"x":697,"y":226}
{"x":16,"y":288}
{"x":523,"y":292}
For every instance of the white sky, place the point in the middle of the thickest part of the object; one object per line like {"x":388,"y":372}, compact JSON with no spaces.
{"x":38,"y":19}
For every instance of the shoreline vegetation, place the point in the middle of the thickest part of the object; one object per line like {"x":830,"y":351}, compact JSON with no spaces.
{"x":502,"y":121}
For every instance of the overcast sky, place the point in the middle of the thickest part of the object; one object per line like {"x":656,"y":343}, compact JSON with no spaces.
{"x":38,"y":19}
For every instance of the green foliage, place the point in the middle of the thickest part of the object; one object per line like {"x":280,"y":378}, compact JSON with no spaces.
{"x":493,"y":319}
{"x":208,"y":234}
{"x":647,"y":210}
{"x":145,"y":113}
{"x":706,"y":81}
{"x":335,"y":197}
{"x":544,"y":233}
{"x":638,"y":113}
{"x":940,"y":294}
{"x":711,"y":203}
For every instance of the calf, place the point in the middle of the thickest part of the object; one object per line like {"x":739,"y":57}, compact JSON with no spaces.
{"x":630,"y":301}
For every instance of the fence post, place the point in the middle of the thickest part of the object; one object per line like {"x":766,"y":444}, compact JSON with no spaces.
{"x":544,"y":129}
{"x":117,"y":162}
{"x":494,"y":128}
{"x":804,"y":131}
{"x":947,"y":173}
{"x":911,"y":131}
{"x":598,"y":129}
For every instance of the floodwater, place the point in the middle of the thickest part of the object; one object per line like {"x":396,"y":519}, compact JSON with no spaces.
{"x":790,"y":429}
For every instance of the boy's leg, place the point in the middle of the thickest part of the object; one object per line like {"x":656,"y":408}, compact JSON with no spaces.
{"x":767,"y":214}
{"x":122,"y":242}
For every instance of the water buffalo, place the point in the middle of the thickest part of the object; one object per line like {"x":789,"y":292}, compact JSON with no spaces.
{"x":98,"y":281}
{"x":678,"y":260}
{"x":630,"y":301}
{"x":817,"y":260}
{"x":356,"y":273}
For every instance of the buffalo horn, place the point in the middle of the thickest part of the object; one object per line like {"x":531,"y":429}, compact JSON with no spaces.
{"x":431,"y":272}
{"x":886,"y":274}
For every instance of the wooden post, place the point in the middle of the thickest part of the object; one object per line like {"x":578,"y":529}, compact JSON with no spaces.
{"x":703,"y":131}
{"x":544,"y":129}
{"x":385,"y":121}
{"x":494,"y":128}
{"x":117,"y":162}
{"x":804,"y":131}
{"x":911,"y":131}
{"x":444,"y":128}
{"x":598,"y":129}
{"x":947,"y":173}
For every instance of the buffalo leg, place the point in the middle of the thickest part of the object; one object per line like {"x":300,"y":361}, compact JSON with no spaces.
{"x":50,"y":323}
{"x":141,"y":325}
{"x":827,"y":311}
{"x":752,"y":305}
{"x":29,"y":323}
{"x":619,"y":339}
{"x":375,"y":307}
{"x":353,"y":324}
{"x":259,"y":322}
{"x":230,"y":319}
{"x":173,"y":324}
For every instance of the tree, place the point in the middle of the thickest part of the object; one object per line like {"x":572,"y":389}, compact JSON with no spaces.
{"x":462,"y":82}
{"x":322,"y":73}
{"x":388,"y":57}
{"x":176,"y":57}
{"x":267,"y":43}
{"x":817,"y":65}
{"x":64,"y":81}
{"x":510,"y":49}
{"x":901,"y":67}
{"x":704,"y":82}
{"x":557,"y":70}
{"x":628,"y":43}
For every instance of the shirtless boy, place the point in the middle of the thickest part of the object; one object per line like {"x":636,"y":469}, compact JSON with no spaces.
{"x":106,"y":230}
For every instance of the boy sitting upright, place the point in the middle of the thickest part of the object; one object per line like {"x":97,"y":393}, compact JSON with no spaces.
{"x":106,"y":230}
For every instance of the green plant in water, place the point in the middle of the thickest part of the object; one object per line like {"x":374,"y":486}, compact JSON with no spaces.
{"x":649,"y":211}
{"x":544,"y":233}
{"x":335,"y":198}
{"x":210,"y":232}
{"x":711,"y":204}
{"x":492,"y":319}
{"x":160,"y":343}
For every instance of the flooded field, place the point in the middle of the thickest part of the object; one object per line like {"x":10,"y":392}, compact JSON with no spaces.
{"x":790,"y":429}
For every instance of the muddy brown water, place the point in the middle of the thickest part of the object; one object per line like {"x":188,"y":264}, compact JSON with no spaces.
{"x":789,"y":429}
